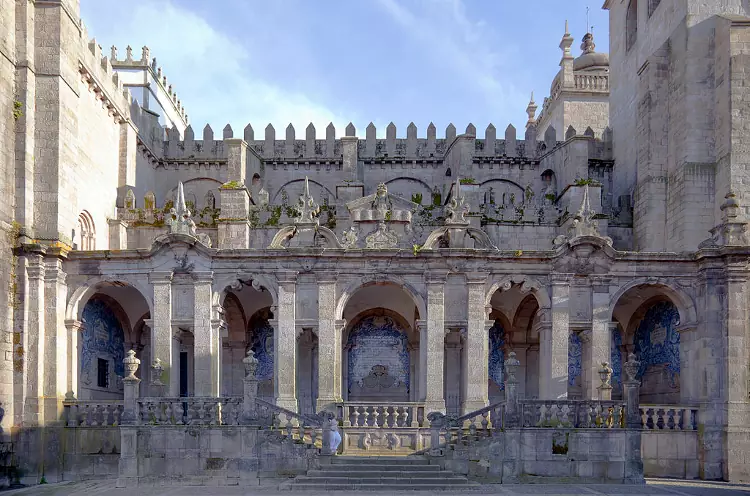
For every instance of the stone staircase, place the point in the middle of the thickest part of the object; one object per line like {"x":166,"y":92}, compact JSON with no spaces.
{"x":350,"y":473}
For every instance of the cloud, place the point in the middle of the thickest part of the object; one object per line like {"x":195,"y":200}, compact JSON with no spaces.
{"x":211,"y":73}
{"x":466,"y":48}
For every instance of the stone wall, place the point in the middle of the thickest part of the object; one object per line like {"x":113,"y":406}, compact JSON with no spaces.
{"x":670,"y":454}
{"x":202,"y":455}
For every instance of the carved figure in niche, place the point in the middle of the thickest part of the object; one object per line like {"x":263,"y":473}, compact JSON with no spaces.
{"x":380,"y":204}
{"x":210,"y":200}
{"x":548,"y":188}
{"x":149,"y":201}
{"x":349,"y":238}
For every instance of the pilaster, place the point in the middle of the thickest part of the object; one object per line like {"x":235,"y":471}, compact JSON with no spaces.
{"x":554,"y":343}
{"x":601,"y":338}
{"x":34,"y":341}
{"x":477,"y":345}
{"x":432,"y":341}
{"x":207,"y":340}
{"x":161,"y":332}
{"x":285,"y":342}
{"x":330,"y":331}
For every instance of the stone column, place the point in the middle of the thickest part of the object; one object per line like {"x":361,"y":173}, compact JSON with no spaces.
{"x":477,"y":345}
{"x":207,"y":340}
{"x":631,"y":391}
{"x":433,"y":342}
{"x":512,"y":407}
{"x":74,"y":328}
{"x":285,"y":342}
{"x":130,"y":392}
{"x":554,"y":343}
{"x":161,"y":333}
{"x":329,"y":344}
{"x":520,"y":351}
{"x":601,"y":338}
{"x":34,"y":341}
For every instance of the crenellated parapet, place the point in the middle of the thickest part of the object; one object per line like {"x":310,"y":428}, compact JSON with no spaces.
{"x":96,"y":70}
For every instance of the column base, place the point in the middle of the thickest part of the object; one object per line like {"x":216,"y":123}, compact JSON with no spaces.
{"x":327,"y":404}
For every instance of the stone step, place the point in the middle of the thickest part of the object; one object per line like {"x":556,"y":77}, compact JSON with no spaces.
{"x":379,"y":460}
{"x":381,"y":467}
{"x":309,"y":486}
{"x":451,"y":480}
{"x":373,"y":472}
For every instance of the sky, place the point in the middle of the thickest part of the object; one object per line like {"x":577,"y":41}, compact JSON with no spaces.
{"x":341,"y":61}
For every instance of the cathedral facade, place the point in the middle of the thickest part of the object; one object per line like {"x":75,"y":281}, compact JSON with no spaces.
{"x":403,"y":271}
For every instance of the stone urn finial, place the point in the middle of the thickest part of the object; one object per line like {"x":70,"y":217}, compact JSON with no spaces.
{"x":511,"y":367}
{"x":631,"y":367}
{"x":157,"y":369}
{"x":131,"y":364}
{"x":605,"y":374}
{"x":251,"y":364}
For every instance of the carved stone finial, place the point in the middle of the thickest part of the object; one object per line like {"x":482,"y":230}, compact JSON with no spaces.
{"x":180,"y":219}
{"x":306,"y":207}
{"x":145,"y":54}
{"x":531,"y":111}
{"x":457,"y":208}
{"x":511,"y":367}
{"x":157,"y":369}
{"x":631,"y":367}
{"x":129,"y":53}
{"x":605,"y":374}
{"x":583,"y":223}
{"x":251,"y":364}
{"x":131,"y":364}
{"x":113,"y":54}
{"x":588,"y":45}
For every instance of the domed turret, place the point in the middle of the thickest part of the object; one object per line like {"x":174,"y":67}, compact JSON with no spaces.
{"x":590,"y":58}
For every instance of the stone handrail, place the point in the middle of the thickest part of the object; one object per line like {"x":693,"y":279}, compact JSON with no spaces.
{"x":189,"y":411}
{"x":298,"y":427}
{"x":581,"y":414}
{"x":669,"y":417}
{"x":369,"y":414}
{"x":92,"y":413}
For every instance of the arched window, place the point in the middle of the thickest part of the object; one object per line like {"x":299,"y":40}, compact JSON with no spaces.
{"x":86,"y":237}
{"x":210,"y":200}
{"x":631,"y":24}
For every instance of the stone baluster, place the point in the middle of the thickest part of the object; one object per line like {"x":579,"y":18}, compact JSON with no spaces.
{"x":250,"y":384}
{"x":131,"y":386}
{"x":438,"y":422}
{"x":512,"y":416}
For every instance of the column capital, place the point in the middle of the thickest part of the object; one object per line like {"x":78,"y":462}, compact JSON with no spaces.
{"x":160,"y":277}
{"x":149,"y":323}
{"x":54,"y":272}
{"x":613,"y":326}
{"x":559,"y":280}
{"x":203,"y":276}
{"x":286,"y":276}
{"x":35,"y":271}
{"x":340,"y":325}
{"x":686,"y":328}
{"x":420,"y":325}
{"x":476,"y":277}
{"x":326,"y":277}
{"x":436,"y":277}
{"x":488,"y":324}
{"x":73,"y":325}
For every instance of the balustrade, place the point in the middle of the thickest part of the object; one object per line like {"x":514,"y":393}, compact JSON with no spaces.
{"x":581,"y":414}
{"x":591,"y":82}
{"x":669,"y":417}
{"x":93,"y":413}
{"x":190,"y":411}
{"x":391,"y":415}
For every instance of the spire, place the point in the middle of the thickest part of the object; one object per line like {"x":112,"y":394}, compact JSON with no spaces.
{"x":306,"y":207}
{"x":457,"y":208}
{"x":531,"y":111}
{"x":180,"y":208}
{"x":566,"y":43}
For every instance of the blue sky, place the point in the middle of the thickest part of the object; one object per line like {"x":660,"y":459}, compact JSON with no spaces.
{"x":320,"y":61}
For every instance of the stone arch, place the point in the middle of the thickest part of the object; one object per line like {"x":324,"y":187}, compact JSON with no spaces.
{"x":224,"y":283}
{"x":86,"y":232}
{"x":681,"y":300}
{"x":394,"y":184}
{"x":365,"y":281}
{"x":88,"y":288}
{"x":527,"y":284}
{"x":292,"y":200}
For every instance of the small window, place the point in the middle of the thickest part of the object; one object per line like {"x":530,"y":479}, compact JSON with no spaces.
{"x":631,"y":25}
{"x":102,"y":375}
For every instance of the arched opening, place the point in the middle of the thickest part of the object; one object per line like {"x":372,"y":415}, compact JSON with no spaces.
{"x":380,"y":357}
{"x":84,"y":237}
{"x":110,"y":320}
{"x":631,"y":24}
{"x":247,"y":313}
{"x":520,"y":335}
{"x":648,"y":318}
